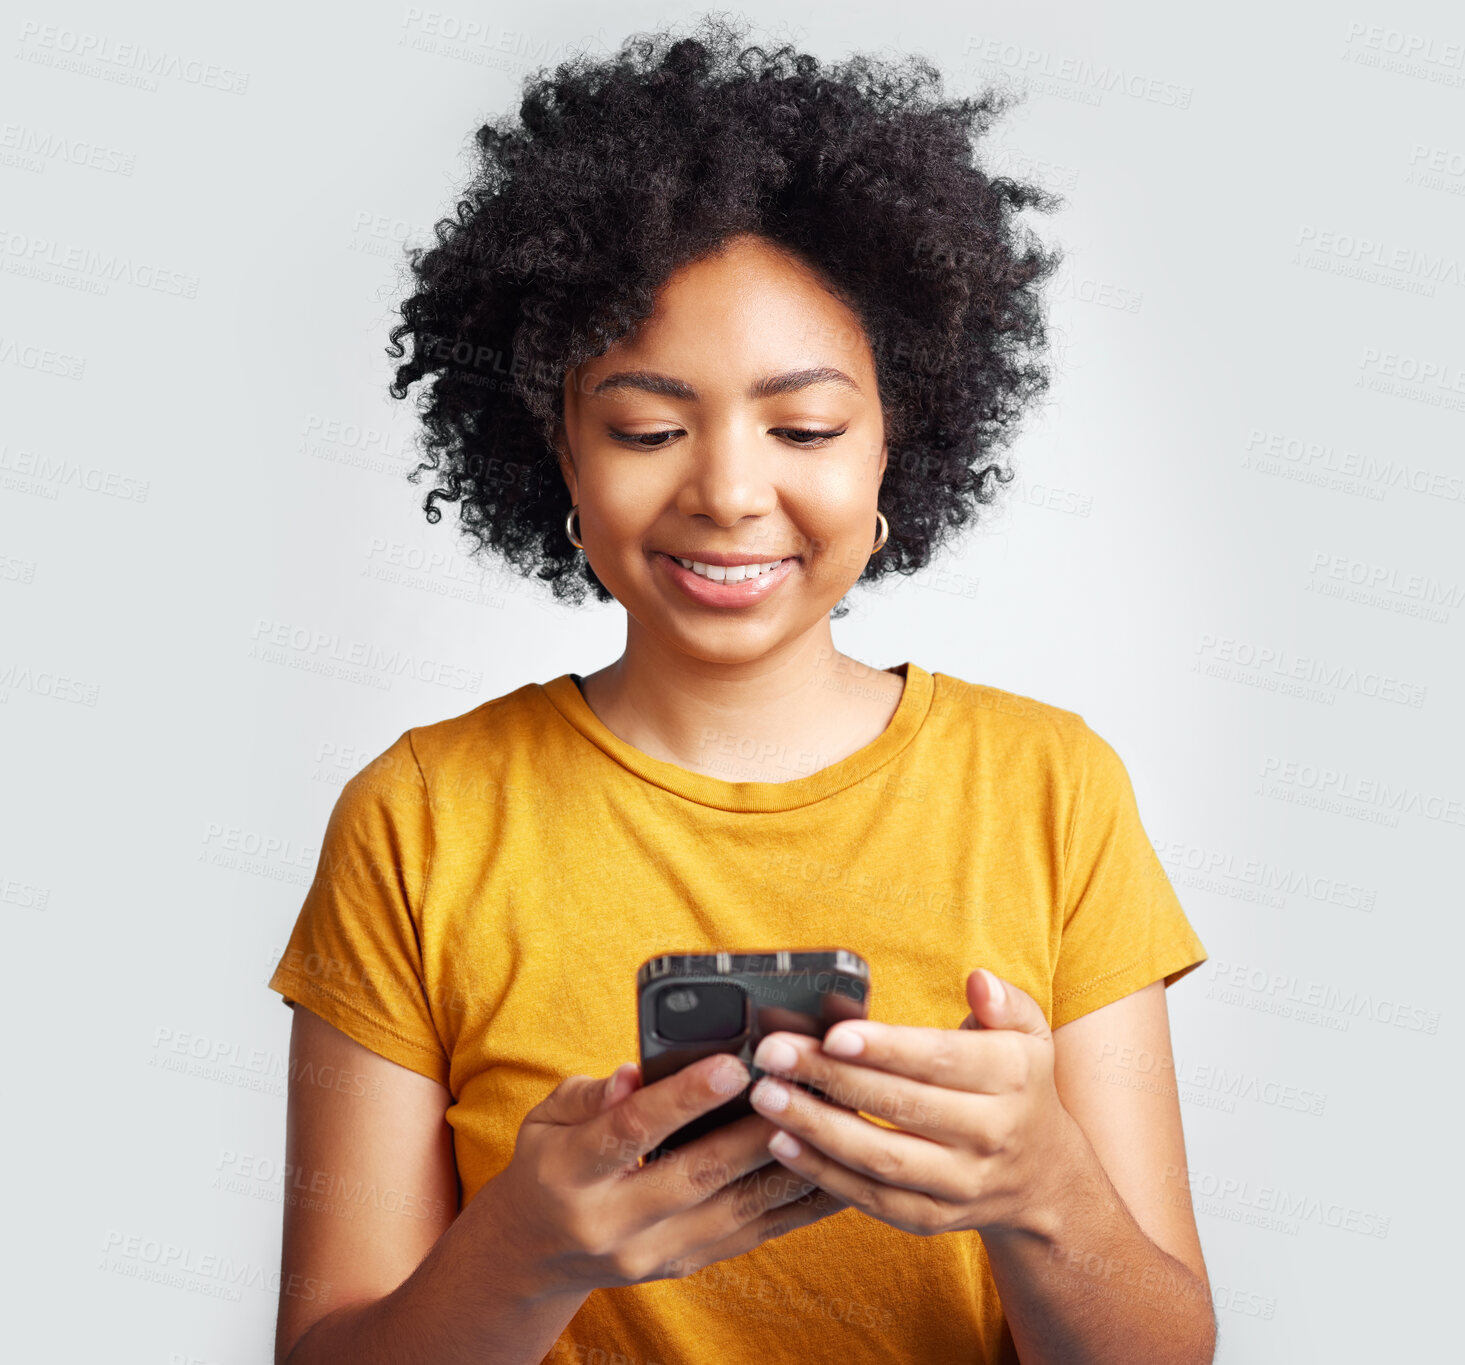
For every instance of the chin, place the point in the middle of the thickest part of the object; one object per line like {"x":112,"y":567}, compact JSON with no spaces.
{"x":717,"y":641}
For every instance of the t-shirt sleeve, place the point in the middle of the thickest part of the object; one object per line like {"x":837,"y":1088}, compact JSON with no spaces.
{"x":354,"y":956}
{"x":1122,"y":924}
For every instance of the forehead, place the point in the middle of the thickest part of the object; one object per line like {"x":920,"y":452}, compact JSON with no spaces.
{"x":746,"y":309}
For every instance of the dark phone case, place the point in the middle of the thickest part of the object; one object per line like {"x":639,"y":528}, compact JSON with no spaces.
{"x":803,"y":992}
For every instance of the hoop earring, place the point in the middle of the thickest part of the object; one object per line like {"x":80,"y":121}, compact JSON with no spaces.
{"x":569,"y":530}
{"x":884,"y":531}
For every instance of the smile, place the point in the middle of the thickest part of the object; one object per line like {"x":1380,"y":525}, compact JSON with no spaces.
{"x":732,"y":585}
{"x":733,"y":573}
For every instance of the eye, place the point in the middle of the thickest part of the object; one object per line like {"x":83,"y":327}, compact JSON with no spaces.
{"x":814,"y":438}
{"x":647,"y":440}
{"x":654,"y":440}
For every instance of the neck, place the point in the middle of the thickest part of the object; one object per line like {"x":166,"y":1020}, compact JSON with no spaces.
{"x":772,"y":719}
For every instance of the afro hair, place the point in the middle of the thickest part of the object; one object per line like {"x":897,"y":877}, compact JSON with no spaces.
{"x":622,"y":168}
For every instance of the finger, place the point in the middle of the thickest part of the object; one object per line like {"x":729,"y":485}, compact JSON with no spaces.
{"x":998,"y":1004}
{"x":910,"y":1210}
{"x":978,"y":1062}
{"x":623,"y":1080}
{"x":578,"y":1099}
{"x":701,"y":1171}
{"x":933,"y":1111}
{"x":718,"y":1232}
{"x":883,"y":1155}
{"x":621,"y":1135}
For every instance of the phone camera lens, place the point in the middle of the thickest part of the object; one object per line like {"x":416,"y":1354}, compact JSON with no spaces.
{"x":705,"y":1013}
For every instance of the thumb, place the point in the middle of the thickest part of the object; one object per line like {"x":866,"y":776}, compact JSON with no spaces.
{"x":624,"y":1079}
{"x":997,"y":1003}
{"x":578,"y":1099}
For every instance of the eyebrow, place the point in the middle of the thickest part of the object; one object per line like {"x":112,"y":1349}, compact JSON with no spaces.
{"x":770,"y":386}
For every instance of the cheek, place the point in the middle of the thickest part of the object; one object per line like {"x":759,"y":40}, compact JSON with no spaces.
{"x":624,"y":507}
{"x":844,"y":523}
{"x":836,"y":508}
{"x":839,"y":490}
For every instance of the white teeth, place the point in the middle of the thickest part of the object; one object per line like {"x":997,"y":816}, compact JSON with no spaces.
{"x":735,"y":573}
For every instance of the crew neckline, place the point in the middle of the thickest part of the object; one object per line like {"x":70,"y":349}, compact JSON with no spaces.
{"x":564,"y":694}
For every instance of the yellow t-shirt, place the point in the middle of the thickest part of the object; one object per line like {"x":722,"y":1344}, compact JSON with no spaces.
{"x":488,"y":886}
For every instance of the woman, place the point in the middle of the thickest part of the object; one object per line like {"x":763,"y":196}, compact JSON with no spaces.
{"x":710,"y":309}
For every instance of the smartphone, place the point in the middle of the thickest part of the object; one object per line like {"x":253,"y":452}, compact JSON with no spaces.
{"x":693,"y":1004}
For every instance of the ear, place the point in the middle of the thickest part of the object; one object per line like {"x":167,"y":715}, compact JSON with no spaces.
{"x":568,"y":405}
{"x":566,"y":462}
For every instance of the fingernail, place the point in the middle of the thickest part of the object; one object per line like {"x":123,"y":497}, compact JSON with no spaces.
{"x":769,"y":1096}
{"x":729,"y":1078}
{"x":613,"y":1080}
{"x":775,"y":1055}
{"x":784,"y":1144}
{"x":994,"y":987}
{"x":844,"y":1042}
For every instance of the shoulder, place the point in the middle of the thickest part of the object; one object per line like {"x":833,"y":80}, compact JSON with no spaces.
{"x":450,"y":758}
{"x":1010,"y":720}
{"x":474,"y":736}
{"x":1036,"y":743}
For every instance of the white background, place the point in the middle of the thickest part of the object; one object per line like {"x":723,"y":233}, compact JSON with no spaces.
{"x":1235,"y":550}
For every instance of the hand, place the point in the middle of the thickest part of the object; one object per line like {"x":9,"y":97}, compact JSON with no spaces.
{"x":981,"y":1135}
{"x":584,"y":1215}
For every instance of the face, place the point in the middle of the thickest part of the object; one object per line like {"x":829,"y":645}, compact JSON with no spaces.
{"x":738,"y":425}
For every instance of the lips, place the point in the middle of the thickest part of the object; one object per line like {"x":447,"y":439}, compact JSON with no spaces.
{"x":726,"y":559}
{"x":730,"y":573}
{"x":710,"y":592}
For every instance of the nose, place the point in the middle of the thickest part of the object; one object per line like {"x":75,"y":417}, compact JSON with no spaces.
{"x":729,"y":475}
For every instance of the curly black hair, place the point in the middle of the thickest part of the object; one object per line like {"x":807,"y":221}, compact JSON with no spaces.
{"x":623,"y":168}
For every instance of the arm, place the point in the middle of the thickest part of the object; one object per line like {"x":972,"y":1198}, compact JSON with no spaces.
{"x":1112,"y":1269}
{"x":400,"y":1275}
